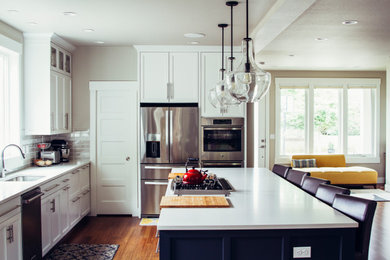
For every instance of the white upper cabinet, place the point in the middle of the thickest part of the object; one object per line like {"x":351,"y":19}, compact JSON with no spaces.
{"x":47,"y":84}
{"x":211,"y":64}
{"x":169,"y":77}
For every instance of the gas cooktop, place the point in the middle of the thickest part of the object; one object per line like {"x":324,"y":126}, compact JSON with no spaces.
{"x":210,"y":186}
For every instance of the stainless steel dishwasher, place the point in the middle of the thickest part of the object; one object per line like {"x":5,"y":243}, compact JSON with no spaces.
{"x":31,"y":225}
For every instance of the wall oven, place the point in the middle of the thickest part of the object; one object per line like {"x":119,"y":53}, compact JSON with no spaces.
{"x":222,"y":142}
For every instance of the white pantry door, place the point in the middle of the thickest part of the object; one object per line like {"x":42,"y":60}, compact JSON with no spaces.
{"x":116,"y":148}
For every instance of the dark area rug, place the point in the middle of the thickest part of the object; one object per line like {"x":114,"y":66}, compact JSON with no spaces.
{"x":83,"y":251}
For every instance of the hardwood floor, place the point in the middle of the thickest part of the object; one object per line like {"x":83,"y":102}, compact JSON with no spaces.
{"x":135,"y":242}
{"x":139,"y":242}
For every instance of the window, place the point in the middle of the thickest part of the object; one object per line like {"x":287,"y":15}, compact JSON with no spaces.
{"x":9,"y":93}
{"x":325,"y":116}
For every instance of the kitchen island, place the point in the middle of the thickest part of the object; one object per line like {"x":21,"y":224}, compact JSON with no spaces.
{"x":269,"y":218}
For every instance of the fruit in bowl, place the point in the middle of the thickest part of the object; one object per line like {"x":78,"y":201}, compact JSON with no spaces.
{"x":40,"y":162}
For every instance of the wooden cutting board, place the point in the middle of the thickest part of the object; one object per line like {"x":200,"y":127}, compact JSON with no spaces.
{"x":194,"y":202}
{"x":173,"y":175}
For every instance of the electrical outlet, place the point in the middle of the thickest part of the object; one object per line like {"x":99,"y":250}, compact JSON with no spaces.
{"x":302,"y":252}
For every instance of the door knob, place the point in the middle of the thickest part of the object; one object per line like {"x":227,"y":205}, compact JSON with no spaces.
{"x":262,"y":146}
{"x":128,"y":158}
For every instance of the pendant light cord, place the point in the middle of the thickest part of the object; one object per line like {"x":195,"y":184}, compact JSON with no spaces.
{"x":231,"y":38}
{"x":247,"y":34}
{"x":223,"y":53}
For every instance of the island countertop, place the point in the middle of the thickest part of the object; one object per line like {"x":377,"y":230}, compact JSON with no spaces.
{"x":260,"y":200}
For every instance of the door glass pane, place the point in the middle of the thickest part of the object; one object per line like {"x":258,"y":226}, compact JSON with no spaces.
{"x":326,"y":121}
{"x":53,"y":57}
{"x":61,"y":61}
{"x":221,"y":140}
{"x":292,"y":121}
{"x":360,"y":121}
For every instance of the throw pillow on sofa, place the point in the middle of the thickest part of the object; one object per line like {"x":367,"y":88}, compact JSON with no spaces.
{"x":304,"y":163}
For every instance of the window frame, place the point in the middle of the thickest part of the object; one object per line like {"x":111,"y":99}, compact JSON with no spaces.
{"x":14,"y":50}
{"x":341,"y":83}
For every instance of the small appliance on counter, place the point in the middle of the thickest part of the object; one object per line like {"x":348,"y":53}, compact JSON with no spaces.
{"x":47,"y":157}
{"x":63,"y":148}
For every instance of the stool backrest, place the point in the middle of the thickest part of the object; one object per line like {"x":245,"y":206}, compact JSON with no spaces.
{"x":310,"y":184}
{"x":362,"y":211}
{"x":281,"y":170}
{"x":326,"y":192}
{"x":296,"y":176}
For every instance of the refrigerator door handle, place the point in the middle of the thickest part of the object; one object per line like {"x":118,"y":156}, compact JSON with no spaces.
{"x":171,"y":128}
{"x":166,"y":132}
{"x":155,"y":183}
{"x":158,"y":167}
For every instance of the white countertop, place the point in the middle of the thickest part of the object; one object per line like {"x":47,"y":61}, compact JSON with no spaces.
{"x":12,"y":189}
{"x":261,"y":200}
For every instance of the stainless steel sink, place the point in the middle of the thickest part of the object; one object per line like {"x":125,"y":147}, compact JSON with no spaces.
{"x":25,"y":178}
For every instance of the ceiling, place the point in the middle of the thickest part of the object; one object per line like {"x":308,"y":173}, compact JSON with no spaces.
{"x":284,"y":30}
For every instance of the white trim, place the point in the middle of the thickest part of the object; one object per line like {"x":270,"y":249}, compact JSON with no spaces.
{"x":342,"y":83}
{"x":183,"y":48}
{"x":11,"y":44}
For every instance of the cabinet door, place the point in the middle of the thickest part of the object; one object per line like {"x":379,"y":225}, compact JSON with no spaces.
{"x":53,"y":102}
{"x":46,"y":225}
{"x":210,"y":76}
{"x":60,"y":114}
{"x":64,"y":209}
{"x":154,"y":77}
{"x":85,"y":203}
{"x":10,"y":239}
{"x":67,"y":95}
{"x":55,"y":218}
{"x":184,"y":77}
{"x":74,"y":211}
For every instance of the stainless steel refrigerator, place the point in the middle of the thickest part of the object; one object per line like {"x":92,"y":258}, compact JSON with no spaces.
{"x":169,"y":135}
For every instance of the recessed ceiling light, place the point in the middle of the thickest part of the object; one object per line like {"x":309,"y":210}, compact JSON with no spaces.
{"x":13,"y":11}
{"x":262,"y":62}
{"x":194,"y":35}
{"x":99,"y":42}
{"x":321,"y":39}
{"x":350,"y":22}
{"x":194,"y":43}
{"x":69,"y":13}
{"x":89,"y":30}
{"x":32,"y":23}
{"x":291,"y":55}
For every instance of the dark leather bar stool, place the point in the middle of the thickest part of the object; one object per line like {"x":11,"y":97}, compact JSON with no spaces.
{"x":281,"y":170}
{"x":310,"y":184}
{"x":362,"y":211}
{"x":326,"y":192}
{"x":296,"y":177}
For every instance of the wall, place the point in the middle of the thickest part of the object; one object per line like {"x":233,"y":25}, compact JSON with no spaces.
{"x":98,"y":63}
{"x":380,"y":167}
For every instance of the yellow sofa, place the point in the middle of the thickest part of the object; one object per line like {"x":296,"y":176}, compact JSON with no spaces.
{"x":332,"y":167}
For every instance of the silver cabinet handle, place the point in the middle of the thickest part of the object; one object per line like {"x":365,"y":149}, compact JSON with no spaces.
{"x":52,"y":187}
{"x":66,"y":121}
{"x":171,"y":90}
{"x":168,"y":90}
{"x":66,"y":188}
{"x":66,"y":180}
{"x":158,"y":167}
{"x":76,"y":199}
{"x":10,"y":230}
{"x":76,"y":171}
{"x":85,"y":192}
{"x":53,"y":205}
{"x":155,"y":183}
{"x":52,"y":121}
{"x":128,"y":158}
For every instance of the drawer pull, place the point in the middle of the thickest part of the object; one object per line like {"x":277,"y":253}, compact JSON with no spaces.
{"x":76,"y":199}
{"x":52,"y":187}
{"x":76,"y":171}
{"x":66,"y":180}
{"x":66,"y":188}
{"x":5,"y":213}
{"x":85,"y":192}
{"x":10,"y":230}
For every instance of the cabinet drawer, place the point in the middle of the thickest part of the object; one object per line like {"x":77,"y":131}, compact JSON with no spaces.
{"x":9,"y":208}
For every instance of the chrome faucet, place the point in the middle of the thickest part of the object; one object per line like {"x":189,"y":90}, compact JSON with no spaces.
{"x":2,"y":158}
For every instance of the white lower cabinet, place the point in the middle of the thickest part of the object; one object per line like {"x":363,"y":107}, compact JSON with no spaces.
{"x":51,"y":221}
{"x":63,"y":205}
{"x":10,"y":235}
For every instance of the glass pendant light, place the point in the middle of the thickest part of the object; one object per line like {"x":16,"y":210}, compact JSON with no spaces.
{"x":248,"y":82}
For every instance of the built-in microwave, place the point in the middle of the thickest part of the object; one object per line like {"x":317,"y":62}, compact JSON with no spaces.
{"x":222,"y":139}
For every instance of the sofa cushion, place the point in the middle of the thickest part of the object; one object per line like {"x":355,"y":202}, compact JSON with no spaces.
{"x":304,"y":163}
{"x":344,"y":175}
{"x":324,"y":160}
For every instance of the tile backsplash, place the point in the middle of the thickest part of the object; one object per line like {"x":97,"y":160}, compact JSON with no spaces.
{"x":78,"y":142}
